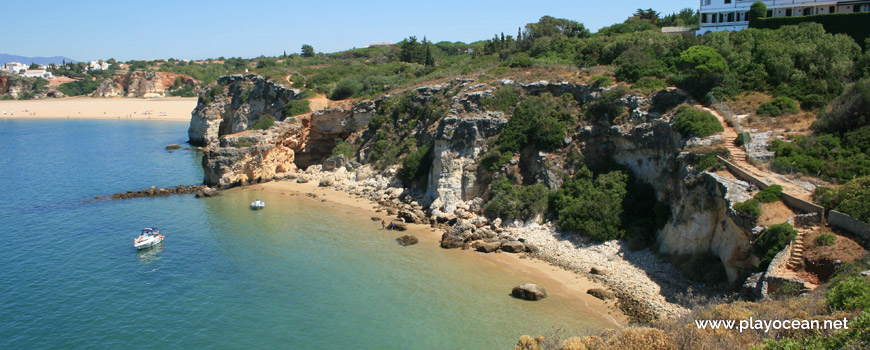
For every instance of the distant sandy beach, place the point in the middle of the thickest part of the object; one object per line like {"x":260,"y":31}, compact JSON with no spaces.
{"x":558,"y":282}
{"x":169,"y":108}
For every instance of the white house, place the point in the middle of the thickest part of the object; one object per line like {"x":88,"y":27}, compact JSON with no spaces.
{"x":40,"y":73}
{"x":717,"y":15}
{"x":15,"y":67}
{"x":98,"y":65}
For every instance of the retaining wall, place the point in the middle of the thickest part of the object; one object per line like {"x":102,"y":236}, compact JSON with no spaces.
{"x":849,"y":223}
{"x":789,"y":200}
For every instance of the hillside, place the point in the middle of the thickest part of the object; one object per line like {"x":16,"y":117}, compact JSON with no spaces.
{"x":6,"y":58}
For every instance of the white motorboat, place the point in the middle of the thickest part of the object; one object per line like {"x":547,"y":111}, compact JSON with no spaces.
{"x":148,"y":238}
{"x":258,"y":204}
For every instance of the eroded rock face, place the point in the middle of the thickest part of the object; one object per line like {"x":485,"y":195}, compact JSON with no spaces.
{"x":140,"y":84}
{"x":252,"y":156}
{"x":241,"y":102}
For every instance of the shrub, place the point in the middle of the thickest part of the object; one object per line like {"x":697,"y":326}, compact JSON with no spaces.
{"x":772,"y":241}
{"x":748,"y":208}
{"x":295,"y":107}
{"x":601,"y":81}
{"x":742,"y":138}
{"x":850,"y":294}
{"x":493,"y":159}
{"x":691,"y":121}
{"x":540,"y":120}
{"x":854,"y":198}
{"x":376,"y":122}
{"x":812,"y":102}
{"x":591,"y":205}
{"x":770,"y":194}
{"x":778,"y":106}
{"x":503,"y":99}
{"x":609,"y":107}
{"x":520,"y":60}
{"x":826,"y":239}
{"x":345,"y":89}
{"x":708,"y":161}
{"x":416,"y":163}
{"x":342,"y":147}
{"x":243,"y":142}
{"x":650,"y":84}
{"x":266,"y":121}
{"x":849,"y":111}
{"x":78,"y":88}
{"x":515,"y":202}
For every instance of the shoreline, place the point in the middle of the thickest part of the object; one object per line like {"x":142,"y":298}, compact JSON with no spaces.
{"x":558,"y":282}
{"x":117,"y":108}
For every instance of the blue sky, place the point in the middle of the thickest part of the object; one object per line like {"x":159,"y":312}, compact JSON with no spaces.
{"x":195,"y":29}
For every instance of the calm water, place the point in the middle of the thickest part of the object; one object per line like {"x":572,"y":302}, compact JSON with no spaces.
{"x":299,"y":274}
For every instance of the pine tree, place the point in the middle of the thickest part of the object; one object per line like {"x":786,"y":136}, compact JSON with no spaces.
{"x":429,"y":61}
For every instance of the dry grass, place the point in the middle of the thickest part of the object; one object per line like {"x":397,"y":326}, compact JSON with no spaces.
{"x":774,"y":213}
{"x":747,"y":103}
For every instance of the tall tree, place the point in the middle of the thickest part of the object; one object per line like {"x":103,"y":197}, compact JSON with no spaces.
{"x":307,"y":51}
{"x":551,"y":26}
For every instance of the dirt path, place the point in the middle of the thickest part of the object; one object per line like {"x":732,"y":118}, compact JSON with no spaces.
{"x":738,"y":155}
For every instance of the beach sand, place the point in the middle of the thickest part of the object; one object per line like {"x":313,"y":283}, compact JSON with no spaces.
{"x":558,"y":282}
{"x":169,"y":108}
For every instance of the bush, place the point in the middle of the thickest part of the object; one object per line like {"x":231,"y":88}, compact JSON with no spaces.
{"x":829,"y":156}
{"x":691,"y":121}
{"x":770,"y":194}
{"x":376,"y":122}
{"x":591,"y":205}
{"x":742,"y":138}
{"x":266,"y":121}
{"x":520,"y":60}
{"x":853,"y":198}
{"x":778,"y":106}
{"x":345,"y":89}
{"x":515,"y":202}
{"x":78,"y":88}
{"x":540,"y":120}
{"x":601,"y":81}
{"x":503,"y":99}
{"x":493,"y":159}
{"x":342,"y":147}
{"x":849,"y":111}
{"x":772,"y":241}
{"x":826,"y":239}
{"x":295,"y":107}
{"x":416,"y":163}
{"x":850,"y":294}
{"x":748,"y":208}
{"x":708,"y":161}
{"x":650,"y":84}
{"x":812,"y":102}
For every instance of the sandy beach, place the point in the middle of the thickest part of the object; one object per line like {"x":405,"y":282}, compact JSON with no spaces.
{"x":169,"y":108}
{"x":558,"y":282}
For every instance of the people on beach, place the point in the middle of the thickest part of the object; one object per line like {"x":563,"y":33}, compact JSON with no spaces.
{"x":383,"y":224}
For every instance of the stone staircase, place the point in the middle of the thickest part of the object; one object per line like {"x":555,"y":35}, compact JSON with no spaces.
{"x":797,"y":249}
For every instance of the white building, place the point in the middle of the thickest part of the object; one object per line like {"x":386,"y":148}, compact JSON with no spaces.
{"x":98,"y":65}
{"x":15,"y":67}
{"x":717,"y":15}
{"x":40,"y":73}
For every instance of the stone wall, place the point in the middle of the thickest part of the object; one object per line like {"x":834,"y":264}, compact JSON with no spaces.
{"x":849,"y":223}
{"x":789,"y":200}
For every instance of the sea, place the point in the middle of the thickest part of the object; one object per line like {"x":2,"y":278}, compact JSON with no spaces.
{"x":299,"y":274}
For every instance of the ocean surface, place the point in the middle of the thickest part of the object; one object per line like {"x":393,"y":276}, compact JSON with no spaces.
{"x":297,"y":275}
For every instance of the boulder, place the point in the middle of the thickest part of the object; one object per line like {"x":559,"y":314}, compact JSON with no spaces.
{"x":325,"y":182}
{"x":529,"y":291}
{"x":396,"y":225}
{"x":531,"y":247}
{"x":407,"y":240}
{"x":513,"y":247}
{"x":600,"y":293}
{"x":489,"y":247}
{"x":375,"y":218}
{"x":412,"y":216}
{"x":334,"y":162}
{"x":450,"y":242}
{"x":598,"y":270}
{"x":173,"y":146}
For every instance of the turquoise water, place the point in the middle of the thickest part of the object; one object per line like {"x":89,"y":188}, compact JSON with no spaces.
{"x":299,"y":274}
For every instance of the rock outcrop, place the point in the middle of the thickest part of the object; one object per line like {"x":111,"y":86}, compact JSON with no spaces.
{"x":140,"y":84}
{"x":252,"y":156}
{"x":529,"y":291}
{"x":234,"y":104}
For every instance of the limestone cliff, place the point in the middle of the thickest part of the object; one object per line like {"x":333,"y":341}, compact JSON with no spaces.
{"x":235,"y":103}
{"x":140,"y":84}
{"x":456,"y":185}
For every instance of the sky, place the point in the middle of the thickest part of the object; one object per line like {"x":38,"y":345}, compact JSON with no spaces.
{"x":197,"y":29}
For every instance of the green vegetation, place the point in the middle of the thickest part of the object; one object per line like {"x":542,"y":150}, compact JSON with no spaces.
{"x":771,"y":242}
{"x":266,"y":121}
{"x":756,"y":11}
{"x":849,"y":111}
{"x":609,"y":108}
{"x":78,"y":88}
{"x":538,"y":120}
{"x":770,"y":194}
{"x":342,"y":148}
{"x":778,"y":106}
{"x":852,"y":24}
{"x":826,"y":239}
{"x":416,"y":163}
{"x":243,"y":142}
{"x":307,"y":50}
{"x":601,"y":81}
{"x":742,"y":138}
{"x":515,"y":202}
{"x":691,"y":121}
{"x":830,"y":156}
{"x":852,"y":293}
{"x":503,"y":99}
{"x":852,"y":198}
{"x":182,"y":88}
{"x":345,"y":89}
{"x":591,"y":205}
{"x":650,"y":84}
{"x":708,"y":161}
{"x":295,"y":107}
{"x":750,"y":208}
{"x":493,"y":159}
{"x":210,"y":94}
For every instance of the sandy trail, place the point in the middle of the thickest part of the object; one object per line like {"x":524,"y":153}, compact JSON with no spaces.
{"x":169,"y":108}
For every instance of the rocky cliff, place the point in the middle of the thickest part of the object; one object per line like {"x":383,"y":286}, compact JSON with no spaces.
{"x":17,"y":86}
{"x":140,"y":84}
{"x":455,"y":185}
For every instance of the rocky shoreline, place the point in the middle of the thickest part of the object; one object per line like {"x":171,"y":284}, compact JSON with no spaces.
{"x":644,"y":294}
{"x":162,"y":192}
